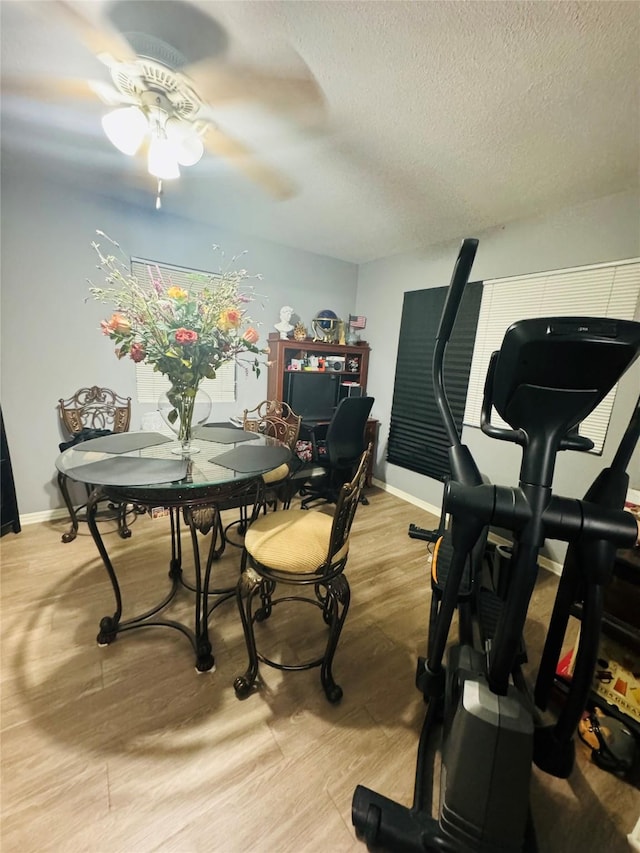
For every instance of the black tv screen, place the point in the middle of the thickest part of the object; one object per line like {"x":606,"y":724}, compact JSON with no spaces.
{"x":312,"y":395}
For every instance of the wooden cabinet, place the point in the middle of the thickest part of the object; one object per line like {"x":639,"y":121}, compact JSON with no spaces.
{"x":333,"y":371}
{"x":346,"y":364}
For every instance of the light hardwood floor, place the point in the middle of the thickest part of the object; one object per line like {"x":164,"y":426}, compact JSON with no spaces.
{"x":125,"y":749}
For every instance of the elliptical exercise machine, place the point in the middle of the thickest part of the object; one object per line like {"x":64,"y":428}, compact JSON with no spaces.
{"x":547,"y":377}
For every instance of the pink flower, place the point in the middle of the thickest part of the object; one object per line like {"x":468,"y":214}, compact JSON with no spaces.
{"x":186,"y":336}
{"x":251,"y":336}
{"x":137,"y":352}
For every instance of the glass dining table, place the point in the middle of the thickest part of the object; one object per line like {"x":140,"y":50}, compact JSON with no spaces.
{"x":147,"y":470}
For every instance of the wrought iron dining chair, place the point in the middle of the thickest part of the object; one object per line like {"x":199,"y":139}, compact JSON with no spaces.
{"x":90,"y":413}
{"x":277,"y":420}
{"x":306,"y":552}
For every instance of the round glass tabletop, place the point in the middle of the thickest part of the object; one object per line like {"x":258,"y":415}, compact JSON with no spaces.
{"x":142,"y":459}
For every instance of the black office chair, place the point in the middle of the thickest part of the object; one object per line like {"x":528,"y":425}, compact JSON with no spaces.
{"x":339,"y":452}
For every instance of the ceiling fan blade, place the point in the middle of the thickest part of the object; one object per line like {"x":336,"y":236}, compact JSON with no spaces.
{"x":48,"y":89}
{"x":220,"y":84}
{"x":99,"y":39}
{"x":239,"y":156}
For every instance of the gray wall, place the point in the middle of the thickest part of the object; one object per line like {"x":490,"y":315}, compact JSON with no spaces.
{"x":51,"y":344}
{"x":604,"y":230}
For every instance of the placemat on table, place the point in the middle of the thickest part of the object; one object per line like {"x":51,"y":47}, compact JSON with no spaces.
{"x":130,"y":471}
{"x":223,"y":434}
{"x":123,"y":442}
{"x":253,"y":460}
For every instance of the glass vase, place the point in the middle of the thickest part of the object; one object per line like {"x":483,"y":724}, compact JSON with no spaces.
{"x":183,"y":409}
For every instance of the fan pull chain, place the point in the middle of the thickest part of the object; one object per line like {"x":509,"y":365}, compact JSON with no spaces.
{"x":159,"y":196}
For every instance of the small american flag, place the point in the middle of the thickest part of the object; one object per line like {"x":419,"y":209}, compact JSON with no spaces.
{"x":357,"y":322}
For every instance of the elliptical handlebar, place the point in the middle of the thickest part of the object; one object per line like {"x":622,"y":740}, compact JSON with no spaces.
{"x":459,"y":279}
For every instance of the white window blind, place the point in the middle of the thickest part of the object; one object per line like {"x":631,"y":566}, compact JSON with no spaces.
{"x":605,"y":290}
{"x":150,"y":384}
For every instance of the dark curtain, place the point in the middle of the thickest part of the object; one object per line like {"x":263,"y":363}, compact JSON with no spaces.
{"x":417,"y":440}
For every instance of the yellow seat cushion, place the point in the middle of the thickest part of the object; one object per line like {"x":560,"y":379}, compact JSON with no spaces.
{"x":277,"y":474}
{"x":294,"y":540}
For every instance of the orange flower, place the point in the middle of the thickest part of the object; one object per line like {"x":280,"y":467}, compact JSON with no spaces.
{"x":176,"y":292}
{"x":117,"y":323}
{"x":251,"y":336}
{"x":230,"y":318}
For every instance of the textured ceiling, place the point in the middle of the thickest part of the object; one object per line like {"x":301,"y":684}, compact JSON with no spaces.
{"x":443,"y":118}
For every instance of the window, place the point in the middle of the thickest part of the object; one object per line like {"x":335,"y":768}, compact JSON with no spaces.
{"x":417,"y":440}
{"x":151,"y":384}
{"x":604,"y":290}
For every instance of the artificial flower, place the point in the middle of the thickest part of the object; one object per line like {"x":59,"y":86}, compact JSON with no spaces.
{"x":137,"y":352}
{"x":186,"y":336}
{"x":251,"y":335}
{"x":185,"y":333}
{"x":229,"y":319}
{"x":176,"y":292}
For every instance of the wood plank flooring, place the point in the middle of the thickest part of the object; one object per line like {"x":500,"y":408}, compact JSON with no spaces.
{"x":126,"y":749}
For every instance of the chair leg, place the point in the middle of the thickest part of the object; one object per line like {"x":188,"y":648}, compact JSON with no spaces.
{"x":123,"y":527}
{"x":248,"y":585}
{"x":266,"y":591}
{"x":335,"y":607}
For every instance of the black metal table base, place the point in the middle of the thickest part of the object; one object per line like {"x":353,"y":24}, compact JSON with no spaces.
{"x":78,"y":514}
{"x":199,"y":518}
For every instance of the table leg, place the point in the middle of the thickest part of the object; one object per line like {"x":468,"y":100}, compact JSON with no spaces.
{"x":70,"y":535}
{"x":111,"y":626}
{"x":199,"y":520}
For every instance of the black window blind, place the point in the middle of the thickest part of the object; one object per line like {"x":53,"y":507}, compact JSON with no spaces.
{"x":417,"y":440}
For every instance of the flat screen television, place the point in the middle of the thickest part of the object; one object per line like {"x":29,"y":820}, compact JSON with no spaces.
{"x":312,"y":395}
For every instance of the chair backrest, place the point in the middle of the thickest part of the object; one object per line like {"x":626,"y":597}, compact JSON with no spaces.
{"x":346,"y":506}
{"x":276,"y":419}
{"x":95,"y":408}
{"x":345,"y":439}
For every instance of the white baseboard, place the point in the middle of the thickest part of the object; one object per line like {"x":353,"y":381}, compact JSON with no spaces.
{"x":405,"y":496}
{"x":545,"y":562}
{"x":45,"y":515}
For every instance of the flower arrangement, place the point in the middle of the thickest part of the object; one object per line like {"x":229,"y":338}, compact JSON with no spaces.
{"x":186,"y":334}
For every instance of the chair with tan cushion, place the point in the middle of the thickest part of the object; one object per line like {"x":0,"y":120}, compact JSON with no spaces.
{"x":306,"y":551}
{"x":277,"y":420}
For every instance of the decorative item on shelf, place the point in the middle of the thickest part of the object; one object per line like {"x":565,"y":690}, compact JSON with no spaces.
{"x":356,"y":321}
{"x":285,"y":326}
{"x":183,"y":410}
{"x":185,"y":334}
{"x":300,"y":332}
{"x":325,"y":326}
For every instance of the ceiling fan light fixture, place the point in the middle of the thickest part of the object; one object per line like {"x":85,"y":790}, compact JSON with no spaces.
{"x":126,"y":128}
{"x":187,"y":144}
{"x":162,"y":162}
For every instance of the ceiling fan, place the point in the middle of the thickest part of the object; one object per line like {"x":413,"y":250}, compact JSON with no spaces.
{"x":163,"y":105}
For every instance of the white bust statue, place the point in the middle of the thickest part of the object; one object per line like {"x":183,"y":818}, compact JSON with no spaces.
{"x":284,"y":326}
